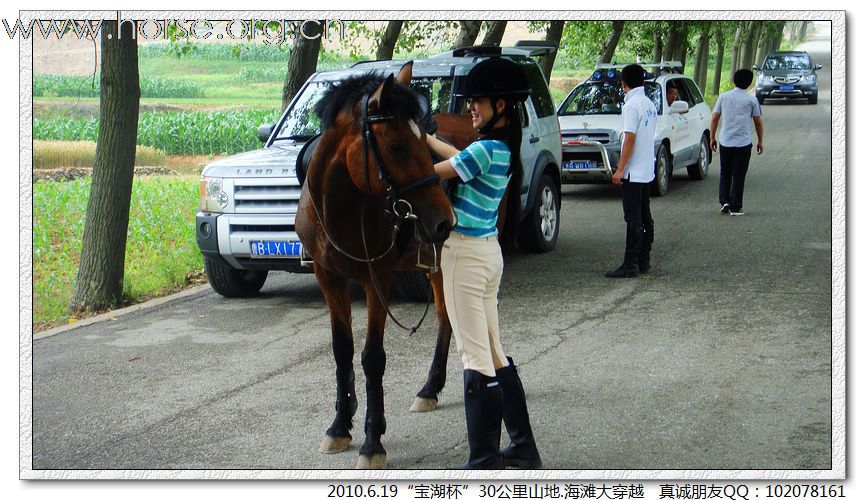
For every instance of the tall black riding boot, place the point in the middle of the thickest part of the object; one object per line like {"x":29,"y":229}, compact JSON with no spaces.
{"x":483,"y":401}
{"x":643,"y":261}
{"x":522,"y":453}
{"x":629,"y":268}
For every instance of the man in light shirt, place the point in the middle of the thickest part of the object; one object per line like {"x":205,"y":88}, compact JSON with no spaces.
{"x":635,"y":172}
{"x":738,"y":108}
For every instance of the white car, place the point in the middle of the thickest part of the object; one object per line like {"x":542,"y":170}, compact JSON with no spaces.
{"x":591,"y":123}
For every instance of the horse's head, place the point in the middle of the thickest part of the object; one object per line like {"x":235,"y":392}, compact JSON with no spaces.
{"x":387,"y":155}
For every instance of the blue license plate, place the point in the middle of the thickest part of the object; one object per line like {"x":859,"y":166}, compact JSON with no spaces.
{"x":580,"y":164}
{"x":786,"y":87}
{"x":274,"y":248}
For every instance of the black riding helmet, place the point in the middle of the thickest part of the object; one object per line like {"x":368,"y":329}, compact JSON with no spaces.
{"x":496,"y":78}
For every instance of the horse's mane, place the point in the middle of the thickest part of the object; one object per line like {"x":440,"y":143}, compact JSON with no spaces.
{"x":348,"y":92}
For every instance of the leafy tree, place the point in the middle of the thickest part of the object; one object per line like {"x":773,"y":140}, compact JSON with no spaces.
{"x":495,"y":32}
{"x":303,"y":60}
{"x":469,"y":31}
{"x":388,"y":40}
{"x":612,"y":42}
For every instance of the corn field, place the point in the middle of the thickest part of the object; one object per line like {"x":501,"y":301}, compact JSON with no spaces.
{"x":88,"y":86}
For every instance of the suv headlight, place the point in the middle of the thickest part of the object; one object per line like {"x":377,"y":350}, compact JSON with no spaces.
{"x":211,"y":197}
{"x":766,"y":79}
{"x":809,"y":79}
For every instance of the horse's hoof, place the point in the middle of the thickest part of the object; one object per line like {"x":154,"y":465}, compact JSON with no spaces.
{"x":377,"y":461}
{"x":423,"y":404}
{"x":334,"y":444}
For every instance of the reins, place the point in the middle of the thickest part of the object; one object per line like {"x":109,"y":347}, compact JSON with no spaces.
{"x":394,"y":200}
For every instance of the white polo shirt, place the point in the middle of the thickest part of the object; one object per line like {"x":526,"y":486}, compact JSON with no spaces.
{"x":639,"y":116}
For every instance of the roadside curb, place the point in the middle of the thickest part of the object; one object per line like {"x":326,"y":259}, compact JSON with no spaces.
{"x":112,"y":315}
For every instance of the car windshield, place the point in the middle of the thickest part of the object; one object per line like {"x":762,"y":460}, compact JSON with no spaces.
{"x":301,"y":123}
{"x":790,"y":61}
{"x":603,"y":98}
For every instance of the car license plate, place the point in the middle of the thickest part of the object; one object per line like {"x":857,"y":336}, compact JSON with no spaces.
{"x":786,"y":87}
{"x":262,"y":249}
{"x":580,"y":164}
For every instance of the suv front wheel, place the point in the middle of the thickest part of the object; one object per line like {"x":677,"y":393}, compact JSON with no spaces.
{"x":540,"y":229}
{"x":662,"y":172}
{"x":230,"y":282}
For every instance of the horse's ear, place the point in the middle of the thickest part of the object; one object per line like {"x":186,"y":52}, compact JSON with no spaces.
{"x":381,"y":96}
{"x":404,"y":76}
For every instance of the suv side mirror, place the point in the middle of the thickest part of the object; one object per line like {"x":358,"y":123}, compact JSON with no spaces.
{"x":264,"y":131}
{"x":818,"y":66}
{"x":679,"y":107}
{"x":756,"y":67}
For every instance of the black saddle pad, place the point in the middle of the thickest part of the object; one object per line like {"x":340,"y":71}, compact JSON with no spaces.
{"x":304,"y":157}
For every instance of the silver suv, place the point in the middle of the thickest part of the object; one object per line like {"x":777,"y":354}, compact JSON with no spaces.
{"x":248,"y":202}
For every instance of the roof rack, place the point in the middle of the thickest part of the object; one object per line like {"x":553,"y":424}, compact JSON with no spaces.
{"x":368,"y":61}
{"x":527,"y":48}
{"x":663,"y":66}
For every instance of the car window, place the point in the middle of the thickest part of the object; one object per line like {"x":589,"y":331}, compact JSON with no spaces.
{"x":540,"y":96}
{"x":301,"y":121}
{"x":437,"y":90}
{"x":603,"y":98}
{"x":787,"y":61}
{"x":696,"y":95}
{"x":684,"y":91}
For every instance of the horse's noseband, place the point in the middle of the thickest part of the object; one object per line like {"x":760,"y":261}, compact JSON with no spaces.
{"x":394,"y":193}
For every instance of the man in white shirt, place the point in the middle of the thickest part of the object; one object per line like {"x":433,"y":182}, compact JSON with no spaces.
{"x":635,"y":172}
{"x":738,"y":108}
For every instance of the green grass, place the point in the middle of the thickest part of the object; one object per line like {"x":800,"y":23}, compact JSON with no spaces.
{"x":88,"y":86}
{"x":160,"y":251}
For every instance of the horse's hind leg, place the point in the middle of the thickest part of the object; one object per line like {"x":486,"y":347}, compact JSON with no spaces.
{"x":427,"y":398}
{"x":335,"y":289}
{"x":373,"y":358}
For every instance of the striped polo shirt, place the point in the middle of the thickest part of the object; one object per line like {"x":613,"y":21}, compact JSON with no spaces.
{"x":483,"y":169}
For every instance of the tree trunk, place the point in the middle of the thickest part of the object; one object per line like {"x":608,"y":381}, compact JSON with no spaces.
{"x":673,"y":47}
{"x":388,"y":40}
{"x":759,"y":46}
{"x":803,"y":32}
{"x":554,"y":34}
{"x":701,"y":55}
{"x":719,"y":59}
{"x":302,"y":61}
{"x":469,"y":31}
{"x":658,"y":53}
{"x":99,"y":284}
{"x":495,"y":32}
{"x":748,"y":51}
{"x":613,"y":41}
{"x":736,"y":48}
{"x":702,"y":69}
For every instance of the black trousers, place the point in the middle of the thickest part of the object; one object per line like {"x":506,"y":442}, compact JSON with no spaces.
{"x":640,"y":227}
{"x":635,"y":202}
{"x":734,"y":166}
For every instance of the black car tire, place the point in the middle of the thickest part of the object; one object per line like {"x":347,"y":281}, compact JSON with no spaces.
{"x":760,"y":100}
{"x":230,"y":282}
{"x":812,"y":99}
{"x":700,"y":170}
{"x":661,"y":184}
{"x":412,"y":285}
{"x":540,"y":229}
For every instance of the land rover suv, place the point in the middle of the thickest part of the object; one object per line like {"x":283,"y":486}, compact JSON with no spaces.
{"x":245,"y":224}
{"x":787,"y":75}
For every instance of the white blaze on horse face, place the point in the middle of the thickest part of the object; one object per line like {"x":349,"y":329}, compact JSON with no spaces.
{"x":414,"y":128}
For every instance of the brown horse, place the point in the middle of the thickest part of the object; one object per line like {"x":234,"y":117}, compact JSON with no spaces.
{"x":371,"y":170}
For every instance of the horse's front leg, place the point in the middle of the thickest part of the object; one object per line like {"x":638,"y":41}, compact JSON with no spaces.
{"x":372,"y":453}
{"x":335,"y":288}
{"x":427,"y":397}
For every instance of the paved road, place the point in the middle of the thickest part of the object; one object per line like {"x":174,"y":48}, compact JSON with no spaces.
{"x":720,"y":358}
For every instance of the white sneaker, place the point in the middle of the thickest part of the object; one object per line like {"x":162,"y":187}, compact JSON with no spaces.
{"x":737,"y":212}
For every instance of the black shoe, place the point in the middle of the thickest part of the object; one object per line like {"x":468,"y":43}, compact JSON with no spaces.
{"x":522,"y":452}
{"x":483,"y":402}
{"x":725,"y":208}
{"x":624,"y":272}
